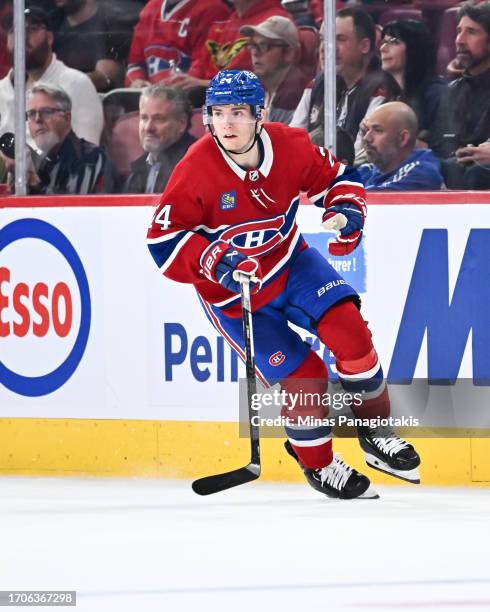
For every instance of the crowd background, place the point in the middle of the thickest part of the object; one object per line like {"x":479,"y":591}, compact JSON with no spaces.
{"x":115,"y":87}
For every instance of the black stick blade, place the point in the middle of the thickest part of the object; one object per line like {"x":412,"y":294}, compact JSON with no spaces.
{"x":221,"y":482}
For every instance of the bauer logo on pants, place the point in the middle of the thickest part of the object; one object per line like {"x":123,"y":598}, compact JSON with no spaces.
{"x":45,"y":309}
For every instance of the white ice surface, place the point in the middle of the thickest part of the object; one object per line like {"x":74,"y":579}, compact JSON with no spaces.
{"x":147,"y":545}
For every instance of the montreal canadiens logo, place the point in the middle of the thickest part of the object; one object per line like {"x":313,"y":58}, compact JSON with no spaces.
{"x":277,"y":358}
{"x":45,"y":309}
{"x":255,"y":237}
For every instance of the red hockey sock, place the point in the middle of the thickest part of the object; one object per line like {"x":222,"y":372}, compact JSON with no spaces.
{"x":346,"y":334}
{"x":312,"y":445}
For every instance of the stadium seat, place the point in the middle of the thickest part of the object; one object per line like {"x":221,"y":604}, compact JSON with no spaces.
{"x":116,"y":104}
{"x":198,"y":128}
{"x":126,"y":97}
{"x":399,"y":13}
{"x":447,"y":46}
{"x":124,"y":144}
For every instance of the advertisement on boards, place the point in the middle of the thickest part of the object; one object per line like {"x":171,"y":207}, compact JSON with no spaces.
{"x":90,"y":329}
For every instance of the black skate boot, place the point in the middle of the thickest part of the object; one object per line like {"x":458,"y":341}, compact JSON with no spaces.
{"x":336,"y":480}
{"x":388,"y":453}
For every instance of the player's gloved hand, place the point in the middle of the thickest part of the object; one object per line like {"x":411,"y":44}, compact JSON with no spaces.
{"x":348,"y":221}
{"x":223,"y":264}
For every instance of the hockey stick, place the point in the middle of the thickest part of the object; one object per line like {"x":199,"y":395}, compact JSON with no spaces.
{"x":220,"y":482}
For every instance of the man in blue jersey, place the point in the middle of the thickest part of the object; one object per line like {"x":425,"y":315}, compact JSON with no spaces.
{"x":389,"y":137}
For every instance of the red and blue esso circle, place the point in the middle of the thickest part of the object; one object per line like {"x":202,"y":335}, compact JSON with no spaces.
{"x":35,"y":386}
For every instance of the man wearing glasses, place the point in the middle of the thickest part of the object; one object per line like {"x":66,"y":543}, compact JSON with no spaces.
{"x":224,"y":46}
{"x":274,"y":47}
{"x":43,"y":66}
{"x":63,"y":163}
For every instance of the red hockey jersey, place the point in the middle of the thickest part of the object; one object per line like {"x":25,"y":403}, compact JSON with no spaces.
{"x":225,"y":47}
{"x":210,"y":197}
{"x":170,"y":33}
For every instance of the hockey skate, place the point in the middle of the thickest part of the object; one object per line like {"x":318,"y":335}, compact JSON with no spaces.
{"x":336,"y":480}
{"x":388,"y":453}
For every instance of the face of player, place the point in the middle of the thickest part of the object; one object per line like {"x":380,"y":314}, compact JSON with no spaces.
{"x":393,"y":54}
{"x":268,"y":56}
{"x":234,"y":126}
{"x":350,"y":50}
{"x":381,"y":139}
{"x":472,"y":46}
{"x":39,"y":42}
{"x":159,"y":126}
{"x":48,"y":123}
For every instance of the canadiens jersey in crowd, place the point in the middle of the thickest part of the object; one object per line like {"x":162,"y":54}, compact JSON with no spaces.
{"x":210,"y":197}
{"x":170,"y":32}
{"x":225,"y":47}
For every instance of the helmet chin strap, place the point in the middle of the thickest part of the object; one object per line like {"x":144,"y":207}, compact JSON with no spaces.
{"x":256,"y":135}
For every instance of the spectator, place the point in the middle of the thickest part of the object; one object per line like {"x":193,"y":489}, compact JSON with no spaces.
{"x":165,"y":119}
{"x":361,"y":85}
{"x":225,"y":47}
{"x":454,"y":69}
{"x":65,"y":163}
{"x":42,"y":65}
{"x":168,"y":36}
{"x":475,"y":162}
{"x":274,"y":47}
{"x":92,"y":39}
{"x":471,"y":92}
{"x":389,"y":135}
{"x":469,"y":96}
{"x":408,"y":53}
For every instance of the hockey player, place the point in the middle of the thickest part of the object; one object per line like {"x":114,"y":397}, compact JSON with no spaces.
{"x":229,"y":208}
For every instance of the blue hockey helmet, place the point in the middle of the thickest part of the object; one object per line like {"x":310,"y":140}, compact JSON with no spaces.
{"x":235,"y":87}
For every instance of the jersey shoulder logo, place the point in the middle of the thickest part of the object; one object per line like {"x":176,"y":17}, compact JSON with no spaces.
{"x":227,"y":200}
{"x":221,"y":55}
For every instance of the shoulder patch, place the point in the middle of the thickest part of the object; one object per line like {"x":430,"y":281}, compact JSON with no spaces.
{"x":227,"y":200}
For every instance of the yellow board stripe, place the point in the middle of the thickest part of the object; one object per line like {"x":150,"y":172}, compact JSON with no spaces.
{"x":187,"y":449}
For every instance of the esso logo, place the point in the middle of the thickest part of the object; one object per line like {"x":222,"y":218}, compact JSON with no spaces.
{"x":255,"y":238}
{"x":45,"y":308}
{"x":52,"y":306}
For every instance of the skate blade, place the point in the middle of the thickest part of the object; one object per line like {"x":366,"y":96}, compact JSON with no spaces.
{"x":370,"y":493}
{"x":411,"y":476}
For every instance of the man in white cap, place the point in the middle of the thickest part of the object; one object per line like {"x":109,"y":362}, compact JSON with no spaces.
{"x":275,"y":48}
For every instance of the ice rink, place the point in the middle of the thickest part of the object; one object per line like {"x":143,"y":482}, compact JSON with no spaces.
{"x":145,"y":545}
